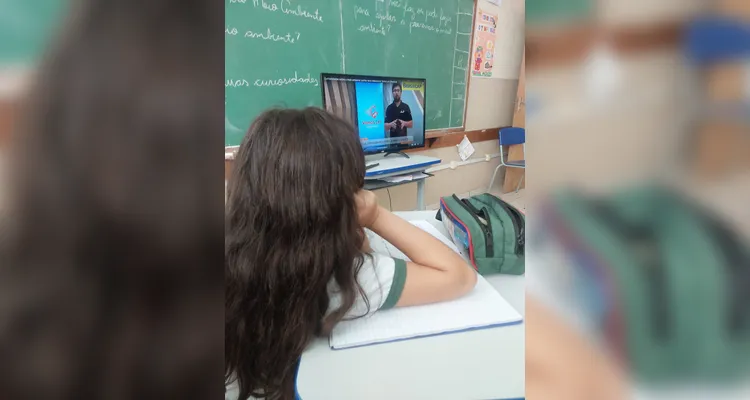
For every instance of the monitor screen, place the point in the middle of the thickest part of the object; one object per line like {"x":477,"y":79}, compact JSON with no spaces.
{"x":388,"y":113}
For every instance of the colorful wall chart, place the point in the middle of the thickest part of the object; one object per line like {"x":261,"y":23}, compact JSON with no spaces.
{"x":483,"y":50}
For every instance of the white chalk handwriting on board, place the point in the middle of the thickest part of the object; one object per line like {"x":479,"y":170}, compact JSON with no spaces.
{"x":287,"y":37}
{"x":380,"y":30}
{"x":380,"y":23}
{"x":361,"y":10}
{"x":286,"y":7}
{"x":268,"y":82}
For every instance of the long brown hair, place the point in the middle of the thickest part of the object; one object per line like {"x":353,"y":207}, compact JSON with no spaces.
{"x":109,"y":284}
{"x":291,"y":228}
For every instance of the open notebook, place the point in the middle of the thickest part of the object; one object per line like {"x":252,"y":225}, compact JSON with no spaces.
{"x":481,"y":308}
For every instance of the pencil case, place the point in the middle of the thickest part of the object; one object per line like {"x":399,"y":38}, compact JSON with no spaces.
{"x":488,"y":231}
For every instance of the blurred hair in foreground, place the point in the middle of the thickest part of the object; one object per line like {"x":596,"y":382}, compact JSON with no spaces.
{"x":639,"y":180}
{"x":111,"y":281}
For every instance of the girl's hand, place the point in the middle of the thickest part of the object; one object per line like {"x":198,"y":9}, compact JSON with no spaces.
{"x":367,"y":207}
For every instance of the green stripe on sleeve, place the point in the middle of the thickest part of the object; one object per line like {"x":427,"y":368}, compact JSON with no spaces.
{"x":397,"y":287}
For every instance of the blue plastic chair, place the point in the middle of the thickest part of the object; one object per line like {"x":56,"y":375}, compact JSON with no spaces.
{"x":715,"y":39}
{"x":712,"y":40}
{"x":509,"y":137}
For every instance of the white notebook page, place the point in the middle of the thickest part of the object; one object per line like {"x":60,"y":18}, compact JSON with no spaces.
{"x":379,"y":245}
{"x":482,"y":307}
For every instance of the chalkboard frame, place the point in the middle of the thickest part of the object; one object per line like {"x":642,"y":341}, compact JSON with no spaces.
{"x":432,"y":135}
{"x":324,"y":75}
{"x":442,"y":137}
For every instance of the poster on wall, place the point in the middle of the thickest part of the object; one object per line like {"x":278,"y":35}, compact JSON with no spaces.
{"x":483,"y":50}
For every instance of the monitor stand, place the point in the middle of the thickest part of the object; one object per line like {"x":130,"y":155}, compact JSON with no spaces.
{"x":401,"y":153}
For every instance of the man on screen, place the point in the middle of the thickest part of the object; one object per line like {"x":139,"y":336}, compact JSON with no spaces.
{"x":398,"y":114}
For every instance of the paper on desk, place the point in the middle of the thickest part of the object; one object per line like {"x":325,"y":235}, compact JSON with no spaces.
{"x":429,"y":228}
{"x":483,"y":307}
{"x":404,"y":178}
{"x":396,"y":179}
{"x":465,"y":149}
{"x":381,"y":246}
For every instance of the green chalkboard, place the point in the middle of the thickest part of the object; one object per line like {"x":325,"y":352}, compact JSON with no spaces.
{"x":277,"y":49}
{"x":541,"y":12}
{"x":26,"y":27}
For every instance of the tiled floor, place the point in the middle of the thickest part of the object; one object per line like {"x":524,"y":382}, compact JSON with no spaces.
{"x":517,"y":200}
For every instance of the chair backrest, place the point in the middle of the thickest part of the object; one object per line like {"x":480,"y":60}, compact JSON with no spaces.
{"x":712,"y":39}
{"x":511,"y":136}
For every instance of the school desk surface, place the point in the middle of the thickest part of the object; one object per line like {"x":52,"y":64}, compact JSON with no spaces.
{"x":480,"y":364}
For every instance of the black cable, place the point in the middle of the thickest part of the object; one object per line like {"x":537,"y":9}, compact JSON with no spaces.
{"x":390,"y":204}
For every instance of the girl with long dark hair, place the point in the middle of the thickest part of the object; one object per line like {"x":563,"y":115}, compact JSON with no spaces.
{"x":111,"y":214}
{"x":296,"y":258}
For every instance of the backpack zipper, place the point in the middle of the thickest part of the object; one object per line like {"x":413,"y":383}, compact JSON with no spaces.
{"x":738,"y":270}
{"x":518,"y":223}
{"x":642,"y":245}
{"x":488,"y":242}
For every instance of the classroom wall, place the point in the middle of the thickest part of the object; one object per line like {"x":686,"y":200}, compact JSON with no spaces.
{"x":636,"y":132}
{"x":640,"y":130}
{"x":490,"y":105}
{"x":641,"y":12}
{"x":487,"y":103}
{"x":465,"y":179}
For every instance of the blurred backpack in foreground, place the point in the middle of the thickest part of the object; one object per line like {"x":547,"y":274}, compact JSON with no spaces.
{"x":670,"y":282}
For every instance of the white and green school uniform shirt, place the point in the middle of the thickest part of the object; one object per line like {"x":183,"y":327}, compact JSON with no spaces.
{"x":382,"y":279}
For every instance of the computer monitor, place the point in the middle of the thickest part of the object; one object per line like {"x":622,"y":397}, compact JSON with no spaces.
{"x":388,"y":113}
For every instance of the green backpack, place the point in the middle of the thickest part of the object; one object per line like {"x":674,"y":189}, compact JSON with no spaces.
{"x":489,"y":231}
{"x":673,"y":279}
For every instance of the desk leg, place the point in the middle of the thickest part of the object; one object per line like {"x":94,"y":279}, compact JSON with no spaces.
{"x":420,"y":194}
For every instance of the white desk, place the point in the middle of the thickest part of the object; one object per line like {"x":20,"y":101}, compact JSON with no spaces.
{"x":481,"y":364}
{"x":395,"y":166}
{"x":374,"y":184}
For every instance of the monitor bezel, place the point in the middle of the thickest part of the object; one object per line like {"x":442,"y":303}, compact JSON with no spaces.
{"x":395,"y":148}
